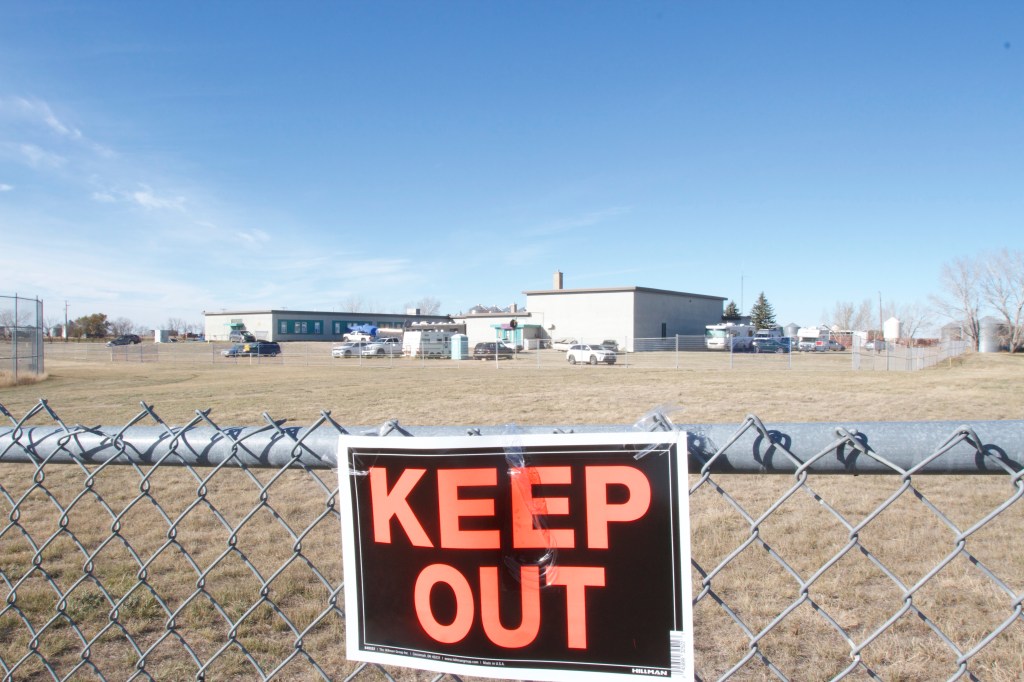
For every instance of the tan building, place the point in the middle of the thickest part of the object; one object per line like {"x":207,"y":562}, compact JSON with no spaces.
{"x":635,"y":318}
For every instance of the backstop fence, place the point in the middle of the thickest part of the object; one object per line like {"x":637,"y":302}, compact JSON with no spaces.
{"x":148,"y":551}
{"x":21,"y":335}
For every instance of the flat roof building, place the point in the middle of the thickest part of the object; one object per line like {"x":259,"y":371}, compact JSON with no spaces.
{"x":304,"y":325}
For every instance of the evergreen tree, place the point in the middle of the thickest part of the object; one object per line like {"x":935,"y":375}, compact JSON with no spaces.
{"x":731,"y":311}
{"x":762,"y":315}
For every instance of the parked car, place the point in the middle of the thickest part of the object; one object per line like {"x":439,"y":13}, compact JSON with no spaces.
{"x":772,"y":345}
{"x":241,"y":337}
{"x":593,"y":354}
{"x":835,"y":345}
{"x":266,"y":348}
{"x":391,"y":346}
{"x":125,"y":340}
{"x":563,"y":344}
{"x":348,"y":349}
{"x":490,"y":350}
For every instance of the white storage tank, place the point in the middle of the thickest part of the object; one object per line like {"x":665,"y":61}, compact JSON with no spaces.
{"x":990,"y":333}
{"x":892,"y":329}
{"x":460,"y":347}
{"x":162,"y":335}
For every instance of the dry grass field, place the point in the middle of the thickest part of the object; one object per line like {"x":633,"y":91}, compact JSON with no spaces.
{"x":818,"y":388}
{"x":907,"y":537}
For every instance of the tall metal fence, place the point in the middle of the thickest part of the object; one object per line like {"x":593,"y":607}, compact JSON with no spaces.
{"x":21,"y":335}
{"x":885,"y":551}
{"x":898,"y":357}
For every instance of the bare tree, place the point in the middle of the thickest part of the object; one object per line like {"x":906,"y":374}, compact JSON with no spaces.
{"x":842,"y":316}
{"x":53,"y":323}
{"x":863,"y":317}
{"x":1002,"y":288}
{"x":353,"y":303}
{"x":176,"y":325}
{"x":9,"y":322}
{"x":961,"y":301}
{"x":428,"y":305}
{"x":121,"y":325}
{"x":848,"y":316}
{"x":912,"y":317}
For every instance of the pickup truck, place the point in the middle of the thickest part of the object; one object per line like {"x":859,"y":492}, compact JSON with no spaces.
{"x":384,"y":346}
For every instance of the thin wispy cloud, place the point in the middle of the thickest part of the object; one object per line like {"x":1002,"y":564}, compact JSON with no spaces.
{"x":148,"y":199}
{"x":37,"y":114}
{"x":4,"y":187}
{"x":37,"y":157}
{"x":253,"y":237}
{"x":35,"y":110}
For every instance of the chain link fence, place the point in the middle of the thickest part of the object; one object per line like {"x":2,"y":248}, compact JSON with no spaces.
{"x":680,"y":352}
{"x":149,"y":551}
{"x":898,"y":357}
{"x":21,"y":335}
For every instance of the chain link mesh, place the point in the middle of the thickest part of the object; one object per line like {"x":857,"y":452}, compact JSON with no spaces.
{"x":162,"y":566}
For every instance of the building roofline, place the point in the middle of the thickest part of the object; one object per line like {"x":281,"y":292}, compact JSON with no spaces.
{"x":283,"y":311}
{"x":479,"y":316}
{"x":608,"y":290}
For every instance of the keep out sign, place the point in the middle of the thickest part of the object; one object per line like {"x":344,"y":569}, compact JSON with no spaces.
{"x":532,"y":556}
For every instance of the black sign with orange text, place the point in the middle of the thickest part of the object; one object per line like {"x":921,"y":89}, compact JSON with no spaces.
{"x":544,"y":557}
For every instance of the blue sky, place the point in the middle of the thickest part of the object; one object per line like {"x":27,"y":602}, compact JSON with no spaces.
{"x":160,"y":159}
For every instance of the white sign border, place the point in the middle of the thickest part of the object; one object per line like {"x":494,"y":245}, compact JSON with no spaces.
{"x":433,"y":444}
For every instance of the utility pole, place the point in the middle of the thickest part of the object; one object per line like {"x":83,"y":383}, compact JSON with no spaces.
{"x":65,"y":330}
{"x":881,"y":322}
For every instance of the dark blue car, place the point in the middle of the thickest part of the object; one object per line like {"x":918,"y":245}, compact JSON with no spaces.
{"x":778,"y":345}
{"x":268,"y":348}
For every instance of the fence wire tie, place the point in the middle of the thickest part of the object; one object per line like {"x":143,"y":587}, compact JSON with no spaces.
{"x":706,"y":468}
{"x":853,"y":439}
{"x":296,"y":452}
{"x":774,"y":443}
{"x":389,"y":427}
{"x":968,"y":434}
{"x":960,"y":435}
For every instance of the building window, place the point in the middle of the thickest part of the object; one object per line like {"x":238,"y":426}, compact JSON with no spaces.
{"x":301,"y":327}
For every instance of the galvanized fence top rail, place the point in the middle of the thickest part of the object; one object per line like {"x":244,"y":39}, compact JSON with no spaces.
{"x":203,"y":551}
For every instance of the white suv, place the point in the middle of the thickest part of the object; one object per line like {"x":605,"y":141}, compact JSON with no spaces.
{"x":582,"y":352}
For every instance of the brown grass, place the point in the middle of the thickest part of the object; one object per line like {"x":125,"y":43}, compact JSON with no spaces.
{"x":7,"y":379}
{"x":907,"y":538}
{"x":819,"y":388}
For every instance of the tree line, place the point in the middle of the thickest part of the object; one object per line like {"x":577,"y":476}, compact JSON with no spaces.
{"x":98,"y":326}
{"x":972,"y":288}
